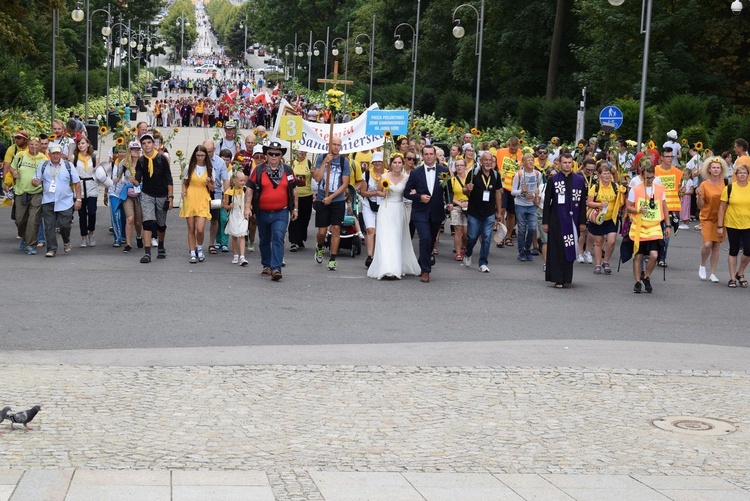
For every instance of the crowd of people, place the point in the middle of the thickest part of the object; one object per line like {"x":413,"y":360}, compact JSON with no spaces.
{"x":546,"y":201}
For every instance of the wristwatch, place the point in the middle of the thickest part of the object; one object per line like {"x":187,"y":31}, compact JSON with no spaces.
{"x":171,"y":197}
{"x":79,"y":200}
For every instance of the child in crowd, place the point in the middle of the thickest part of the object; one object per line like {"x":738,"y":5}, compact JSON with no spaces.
{"x":686,"y":193}
{"x":234,"y":203}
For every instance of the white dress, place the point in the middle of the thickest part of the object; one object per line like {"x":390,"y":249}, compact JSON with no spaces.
{"x":236,"y":222}
{"x":394,"y":254}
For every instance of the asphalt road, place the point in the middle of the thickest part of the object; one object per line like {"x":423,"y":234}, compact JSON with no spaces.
{"x":99,"y":298}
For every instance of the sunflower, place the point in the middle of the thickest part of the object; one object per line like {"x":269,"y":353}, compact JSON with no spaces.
{"x":387,"y":134}
{"x":478,"y":133}
{"x":176,"y":130}
{"x":474,"y":130}
{"x":52,"y":137}
{"x":119,"y":124}
{"x":460,"y":129}
{"x":523,"y":132}
{"x":612,"y":136}
{"x":385,"y":184}
{"x":443,"y":176}
{"x":23,"y":116}
{"x":416,"y":122}
{"x":40,"y":124}
{"x":651,"y":145}
{"x":120,"y":141}
{"x":240,"y":158}
{"x":178,"y":153}
{"x":255,"y":131}
{"x":353,"y":114}
{"x":103,"y":129}
{"x":521,"y":142}
{"x":602,"y":133}
{"x":554,"y":140}
{"x":265,"y":135}
{"x":699,"y":146}
{"x":127,"y":133}
{"x":413,"y":127}
{"x":219,"y":124}
{"x":450,"y":131}
{"x":684,"y":142}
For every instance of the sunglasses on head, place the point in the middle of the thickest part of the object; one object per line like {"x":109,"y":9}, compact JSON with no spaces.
{"x":274,"y":154}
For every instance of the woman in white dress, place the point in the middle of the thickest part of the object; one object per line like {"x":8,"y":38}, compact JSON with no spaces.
{"x":394,"y":255}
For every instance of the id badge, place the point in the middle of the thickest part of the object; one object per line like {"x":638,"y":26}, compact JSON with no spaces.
{"x":561,"y":198}
{"x":486,"y":196}
{"x":52,"y":187}
{"x":137,"y":189}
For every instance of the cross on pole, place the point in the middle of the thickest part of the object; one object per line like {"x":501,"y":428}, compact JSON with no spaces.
{"x":335,"y":81}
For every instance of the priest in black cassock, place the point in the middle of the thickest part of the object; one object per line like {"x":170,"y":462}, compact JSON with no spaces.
{"x":563,"y":218}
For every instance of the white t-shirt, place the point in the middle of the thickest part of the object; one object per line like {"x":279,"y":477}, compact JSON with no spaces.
{"x":637,"y":180}
{"x":649,"y":193}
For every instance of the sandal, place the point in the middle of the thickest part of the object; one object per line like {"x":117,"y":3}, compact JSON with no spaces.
{"x":607,"y":268}
{"x":559,"y":286}
{"x":741,"y":280}
{"x":459,"y":257}
{"x":597,"y":270}
{"x":732,"y":284}
{"x":509,"y":242}
{"x":212,"y":250}
{"x":500,"y":245}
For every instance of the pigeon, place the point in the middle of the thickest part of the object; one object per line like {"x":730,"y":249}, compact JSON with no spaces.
{"x":24,"y":417}
{"x":3,"y":413}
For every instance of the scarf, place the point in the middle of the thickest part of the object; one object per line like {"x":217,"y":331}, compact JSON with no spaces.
{"x":151,"y":163}
{"x":569,"y":211}
{"x":84,"y":159}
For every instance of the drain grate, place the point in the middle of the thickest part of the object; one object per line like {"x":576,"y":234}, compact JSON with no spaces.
{"x":689,"y":425}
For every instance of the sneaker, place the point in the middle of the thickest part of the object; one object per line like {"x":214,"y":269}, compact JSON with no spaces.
{"x":68,"y":248}
{"x":589,"y":257}
{"x":251,"y":247}
{"x":31,"y":252}
{"x":534,"y":252}
{"x":193,"y":259}
{"x":127,"y":249}
{"x":22,"y":245}
{"x":529,"y":256}
{"x":332,"y":265}
{"x":484,"y":268}
{"x":162,"y":254}
{"x":92,"y":241}
{"x":637,"y":288}
{"x":84,"y":243}
{"x":662,"y":264}
{"x":283,"y":263}
{"x":201,"y":256}
{"x":714,"y":279}
{"x":266,"y":271}
{"x":154,"y":242}
{"x":139,"y":242}
{"x":243,"y":261}
{"x":647,"y":285}
{"x":116,"y":244}
{"x":293,"y":248}
{"x":50,"y":254}
{"x":702,"y":272}
{"x":319,"y":254}
{"x":581,"y":259}
{"x":224,"y":248}
{"x":544,"y":268}
{"x":276,"y":275}
{"x":521,"y":257}
{"x":684,"y":227}
{"x":146,"y":258}
{"x":467,"y":260}
{"x":368,"y":261}
{"x":235,"y":259}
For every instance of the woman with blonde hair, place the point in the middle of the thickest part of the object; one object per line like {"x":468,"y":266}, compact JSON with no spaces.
{"x":734,"y":211}
{"x":708,"y":198}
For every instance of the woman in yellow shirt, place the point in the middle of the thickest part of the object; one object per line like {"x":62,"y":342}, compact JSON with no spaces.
{"x":460,"y":205}
{"x":298,"y":227}
{"x":605,"y":198}
{"x":734,"y":213}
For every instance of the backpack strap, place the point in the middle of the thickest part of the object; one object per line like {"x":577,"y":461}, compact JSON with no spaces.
{"x":729,"y":191}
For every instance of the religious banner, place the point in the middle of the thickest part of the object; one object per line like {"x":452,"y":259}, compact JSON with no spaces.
{"x":315,"y":136}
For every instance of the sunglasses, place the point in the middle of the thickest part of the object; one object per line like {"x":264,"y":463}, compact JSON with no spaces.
{"x":274,"y":154}
{"x":410,"y":158}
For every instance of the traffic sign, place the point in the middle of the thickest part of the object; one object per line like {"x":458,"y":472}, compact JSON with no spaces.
{"x":611,"y":116}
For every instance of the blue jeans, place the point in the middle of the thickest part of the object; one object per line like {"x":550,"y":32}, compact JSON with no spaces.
{"x":477,"y":227}
{"x":271,"y":230}
{"x":526,"y":219}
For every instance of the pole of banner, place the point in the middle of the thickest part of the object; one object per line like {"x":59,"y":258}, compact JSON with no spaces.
{"x":335,"y":81}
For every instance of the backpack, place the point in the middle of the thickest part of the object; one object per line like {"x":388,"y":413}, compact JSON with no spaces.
{"x":729,"y":189}
{"x":255,"y":202}
{"x":67,"y":166}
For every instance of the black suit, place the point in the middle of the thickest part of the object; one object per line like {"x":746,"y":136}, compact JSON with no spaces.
{"x":427,"y":217}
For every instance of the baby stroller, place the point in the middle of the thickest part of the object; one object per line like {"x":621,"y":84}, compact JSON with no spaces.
{"x":349,"y":239}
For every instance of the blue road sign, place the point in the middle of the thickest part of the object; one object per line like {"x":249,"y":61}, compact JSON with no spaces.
{"x":612,"y":116}
{"x":379,"y":121}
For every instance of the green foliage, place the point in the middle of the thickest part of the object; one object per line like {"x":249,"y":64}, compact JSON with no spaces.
{"x":681,"y":111}
{"x":728,"y":128}
{"x":558,"y":118}
{"x":456,"y":106}
{"x":694,"y":134}
{"x":630,"y":111}
{"x":19,"y":85}
{"x":529,"y":111}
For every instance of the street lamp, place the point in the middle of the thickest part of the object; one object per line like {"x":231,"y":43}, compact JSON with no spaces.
{"x":399,"y":44}
{"x":736,"y":7}
{"x":359,"y":50}
{"x":648,"y":4}
{"x":300,"y":53}
{"x":182,"y":23}
{"x":244,"y":53}
{"x":123,"y":42}
{"x":294,"y":59}
{"x":316,"y":53}
{"x":78,"y":16}
{"x":458,"y":32}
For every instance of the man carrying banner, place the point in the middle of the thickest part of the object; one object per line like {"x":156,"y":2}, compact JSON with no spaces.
{"x":332,"y":175}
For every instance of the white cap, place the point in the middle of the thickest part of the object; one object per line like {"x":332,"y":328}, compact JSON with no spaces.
{"x":377,"y":156}
{"x":672,"y":134}
{"x":258,"y":148}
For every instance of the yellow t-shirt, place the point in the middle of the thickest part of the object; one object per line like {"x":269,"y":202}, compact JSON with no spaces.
{"x":304,"y":175}
{"x":605,"y":195}
{"x":458,"y":189}
{"x":738,"y":210}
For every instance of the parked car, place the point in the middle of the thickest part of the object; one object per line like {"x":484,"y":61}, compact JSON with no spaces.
{"x":261,"y":53}
{"x":207,"y":68}
{"x":251,"y":51}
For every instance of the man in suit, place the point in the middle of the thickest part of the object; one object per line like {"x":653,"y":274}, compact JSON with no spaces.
{"x":428,"y":211}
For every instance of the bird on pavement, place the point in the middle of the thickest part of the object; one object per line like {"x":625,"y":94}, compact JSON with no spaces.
{"x":24,"y":417}
{"x":3,"y":413}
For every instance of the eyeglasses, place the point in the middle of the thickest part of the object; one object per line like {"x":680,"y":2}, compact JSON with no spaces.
{"x":201,"y":155}
{"x":667,"y":156}
{"x":258,"y":155}
{"x":410,"y":158}
{"x":275,"y":153}
{"x":649,"y":178}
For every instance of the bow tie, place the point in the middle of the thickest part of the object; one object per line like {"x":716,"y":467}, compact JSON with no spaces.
{"x":430,"y":169}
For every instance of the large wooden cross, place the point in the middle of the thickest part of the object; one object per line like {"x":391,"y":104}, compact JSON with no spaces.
{"x":335,"y":81}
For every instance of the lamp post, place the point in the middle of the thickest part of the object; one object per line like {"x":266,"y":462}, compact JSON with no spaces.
{"x":294,"y":60}
{"x":78,"y":16}
{"x":316,"y":53}
{"x":458,"y":32}
{"x":300,"y":53}
{"x":358,"y":49}
{"x":244,"y":52}
{"x":132,"y":44}
{"x":645,"y":30}
{"x":399,"y":44}
{"x":55,"y":34}
{"x":123,"y":42}
{"x":182,"y":23}
{"x":335,"y":53}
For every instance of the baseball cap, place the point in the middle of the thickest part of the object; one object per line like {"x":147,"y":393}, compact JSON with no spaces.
{"x":134,"y":145}
{"x":258,"y":148}
{"x":54,"y":148}
{"x":377,"y":156}
{"x":148,"y":136}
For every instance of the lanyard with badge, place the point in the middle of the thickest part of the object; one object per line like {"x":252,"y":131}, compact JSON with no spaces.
{"x":487,"y":186}
{"x":54,"y":173}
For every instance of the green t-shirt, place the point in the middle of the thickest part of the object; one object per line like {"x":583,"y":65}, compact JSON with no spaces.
{"x":26,"y":165}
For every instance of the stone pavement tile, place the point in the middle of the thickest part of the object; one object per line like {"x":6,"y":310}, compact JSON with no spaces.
{"x":50,"y":485}
{"x":532,"y":487}
{"x":10,"y":477}
{"x":118,"y":493}
{"x":360,"y":486}
{"x":463,"y":486}
{"x":223,"y":492}
{"x":6,"y":491}
{"x":122,"y":477}
{"x":706,"y":495}
{"x":187,"y":477}
{"x":597,"y":487}
{"x":696,"y":483}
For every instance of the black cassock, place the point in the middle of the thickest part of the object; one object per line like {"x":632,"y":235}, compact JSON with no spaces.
{"x":559,"y":269}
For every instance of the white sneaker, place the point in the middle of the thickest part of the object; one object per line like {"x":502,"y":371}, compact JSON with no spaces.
{"x":581,"y":259}
{"x":467,"y":261}
{"x":713,"y":278}
{"x":683,"y":227}
{"x":702,"y":272}
{"x":91,"y":241}
{"x":154,"y":242}
{"x":484,"y":268}
{"x":589,"y":257}
{"x":235,"y":259}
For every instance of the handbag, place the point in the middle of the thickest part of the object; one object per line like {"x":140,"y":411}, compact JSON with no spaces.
{"x":594,"y":215}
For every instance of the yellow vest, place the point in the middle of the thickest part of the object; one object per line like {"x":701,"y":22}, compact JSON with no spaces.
{"x":649,"y":226}
{"x":670,"y":180}
{"x":508,"y":169}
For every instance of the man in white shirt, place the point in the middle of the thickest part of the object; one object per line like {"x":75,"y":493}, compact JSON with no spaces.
{"x":676,"y":148}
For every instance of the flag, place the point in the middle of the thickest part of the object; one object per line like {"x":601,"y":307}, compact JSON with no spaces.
{"x":230,"y":96}
{"x":261,"y":98}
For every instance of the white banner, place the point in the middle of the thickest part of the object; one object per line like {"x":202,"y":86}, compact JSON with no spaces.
{"x":315,"y":136}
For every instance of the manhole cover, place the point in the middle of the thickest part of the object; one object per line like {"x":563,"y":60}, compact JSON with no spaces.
{"x":690,"y":425}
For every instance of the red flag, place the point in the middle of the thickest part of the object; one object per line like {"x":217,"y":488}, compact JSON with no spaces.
{"x":261,"y":98}
{"x":230,"y":96}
